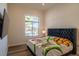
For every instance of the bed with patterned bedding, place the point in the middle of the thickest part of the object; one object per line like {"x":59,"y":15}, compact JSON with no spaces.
{"x":50,"y":46}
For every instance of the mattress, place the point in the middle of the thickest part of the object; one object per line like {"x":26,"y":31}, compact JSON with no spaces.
{"x":53,"y":52}
{"x":50,"y":47}
{"x":33,"y":43}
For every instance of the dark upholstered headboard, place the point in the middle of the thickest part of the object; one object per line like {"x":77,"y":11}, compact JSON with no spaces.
{"x":69,"y":33}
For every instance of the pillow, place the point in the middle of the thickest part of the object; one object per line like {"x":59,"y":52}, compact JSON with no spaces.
{"x":59,"y":41}
{"x":51,"y":40}
{"x":64,"y":41}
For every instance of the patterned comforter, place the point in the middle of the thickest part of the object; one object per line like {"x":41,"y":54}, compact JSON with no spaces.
{"x":52,"y":46}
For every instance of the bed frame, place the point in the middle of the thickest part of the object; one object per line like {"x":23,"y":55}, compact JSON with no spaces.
{"x":69,"y":33}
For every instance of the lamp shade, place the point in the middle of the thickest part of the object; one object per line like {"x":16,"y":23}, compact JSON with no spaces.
{"x":43,"y":31}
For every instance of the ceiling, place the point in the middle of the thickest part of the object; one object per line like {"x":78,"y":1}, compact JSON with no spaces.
{"x":34,"y":5}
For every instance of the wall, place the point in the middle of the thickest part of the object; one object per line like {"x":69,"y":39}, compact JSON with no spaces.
{"x":17,"y":22}
{"x":3,"y":46}
{"x":4,"y":41}
{"x":2,"y":6}
{"x":59,"y":16}
{"x":63,"y":16}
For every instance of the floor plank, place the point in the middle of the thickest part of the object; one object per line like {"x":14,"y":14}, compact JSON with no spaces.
{"x":20,"y":50}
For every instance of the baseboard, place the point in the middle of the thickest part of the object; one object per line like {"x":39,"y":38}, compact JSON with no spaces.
{"x":12,"y":45}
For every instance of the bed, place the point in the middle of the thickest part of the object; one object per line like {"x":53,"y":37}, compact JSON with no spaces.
{"x":41,"y":47}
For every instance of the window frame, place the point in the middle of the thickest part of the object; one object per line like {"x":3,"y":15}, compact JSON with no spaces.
{"x":32,"y":27}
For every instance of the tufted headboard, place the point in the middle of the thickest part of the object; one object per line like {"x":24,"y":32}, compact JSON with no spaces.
{"x":69,"y":33}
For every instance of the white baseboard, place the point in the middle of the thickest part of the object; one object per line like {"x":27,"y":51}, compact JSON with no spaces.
{"x":16,"y":44}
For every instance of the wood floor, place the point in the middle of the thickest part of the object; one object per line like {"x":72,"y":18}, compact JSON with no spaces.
{"x":22,"y":50}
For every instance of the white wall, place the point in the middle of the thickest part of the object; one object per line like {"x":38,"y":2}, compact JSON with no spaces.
{"x":3,"y":46}
{"x":17,"y":22}
{"x":63,"y":16}
{"x":3,"y":42}
{"x":2,"y":6}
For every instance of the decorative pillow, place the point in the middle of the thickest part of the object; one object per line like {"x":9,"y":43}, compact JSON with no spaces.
{"x":51,"y":40}
{"x":63,"y":41}
{"x":59,"y":41}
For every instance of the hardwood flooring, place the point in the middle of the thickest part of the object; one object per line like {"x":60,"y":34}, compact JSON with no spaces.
{"x":20,"y":50}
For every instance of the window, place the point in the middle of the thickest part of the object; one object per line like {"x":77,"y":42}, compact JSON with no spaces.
{"x":31,"y":25}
